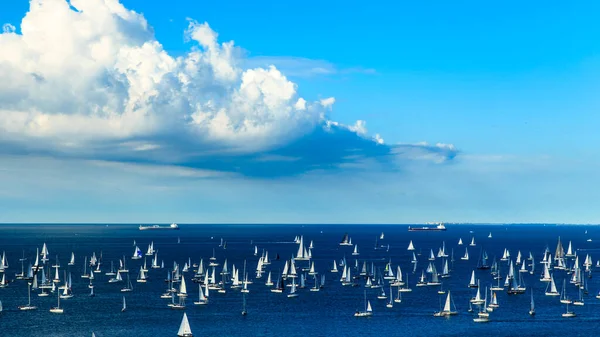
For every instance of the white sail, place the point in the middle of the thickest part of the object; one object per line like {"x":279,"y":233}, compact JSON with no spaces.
{"x":269,"y":282}
{"x":182,"y":288}
{"x":300,"y":254}
{"x":410,"y":246}
{"x":369,"y":309}
{"x":37,"y":258}
{"x":546,"y":276}
{"x":344,"y":272}
{"x":472,"y":282}
{"x":552,"y":285}
{"x":447,"y":304}
{"x":201,"y":296}
{"x":355,"y":250}
{"x":552,"y":291}
{"x":184,"y":328}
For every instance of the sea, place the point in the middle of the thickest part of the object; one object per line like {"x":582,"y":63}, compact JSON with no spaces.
{"x":328,"y":312}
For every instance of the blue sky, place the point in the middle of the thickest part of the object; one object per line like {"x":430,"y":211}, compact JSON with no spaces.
{"x":468,"y":112}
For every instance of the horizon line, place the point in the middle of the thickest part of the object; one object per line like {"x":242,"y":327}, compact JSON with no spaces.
{"x":296,"y":223}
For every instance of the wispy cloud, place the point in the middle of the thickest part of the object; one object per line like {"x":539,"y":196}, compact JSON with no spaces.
{"x":304,"y":67}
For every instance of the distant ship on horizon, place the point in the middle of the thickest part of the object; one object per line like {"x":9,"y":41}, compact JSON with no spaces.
{"x":440,"y":227}
{"x":171,"y":226}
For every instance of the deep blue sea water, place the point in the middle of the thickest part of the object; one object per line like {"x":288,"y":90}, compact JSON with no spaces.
{"x":325,"y":313}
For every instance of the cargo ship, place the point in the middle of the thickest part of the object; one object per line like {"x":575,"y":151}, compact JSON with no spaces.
{"x":171,"y":226}
{"x":439,"y":227}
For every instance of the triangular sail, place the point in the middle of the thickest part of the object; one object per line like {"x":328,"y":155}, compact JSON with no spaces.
{"x":447,"y":305}
{"x":184,"y":328}
{"x":552,"y":285}
{"x":182,"y":287}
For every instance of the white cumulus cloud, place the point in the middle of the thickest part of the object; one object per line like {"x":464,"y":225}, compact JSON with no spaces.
{"x":87,"y":79}
{"x":90,"y":71}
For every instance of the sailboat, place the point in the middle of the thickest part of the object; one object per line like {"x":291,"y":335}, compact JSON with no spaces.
{"x":355,"y":252}
{"x":124,"y":305}
{"x":390,"y":303}
{"x":482,"y":315}
{"x":422,"y":280}
{"x":269,"y":282}
{"x":316,"y":287}
{"x":67,"y":293}
{"x":563,"y":295}
{"x":28,"y":306}
{"x":466,"y":256}
{"x":117,"y":278}
{"x":129,"y":286}
{"x":532,"y":305}
{"x":472,"y":282}
{"x":244,"y":312}
{"x":57,"y":309}
{"x":493,"y":301}
{"x":184,"y":328}
{"x":334,"y":269}
{"x":472,"y":244}
{"x":293,"y":292}
{"x":137,"y":253}
{"x":346,"y":241}
{"x":180,"y":305}
{"x":368,"y":310}
{"x":202,"y":300}
{"x":142,"y":276}
{"x":278,"y":286}
{"x":580,"y":300}
{"x":410,"y":246}
{"x":85,"y":274}
{"x":447,"y":310}
{"x":434,"y":277}
{"x":4,"y":282}
{"x":552,"y":291}
{"x":477,"y":299}
{"x":72,"y":262}
{"x":302,"y":254}
{"x":382,"y":296}
{"x":568,"y":314}
{"x":398,"y":298}
{"x":405,"y":288}
{"x":182,"y":288}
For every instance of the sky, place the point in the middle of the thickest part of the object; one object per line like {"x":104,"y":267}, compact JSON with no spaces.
{"x":275,"y":112}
